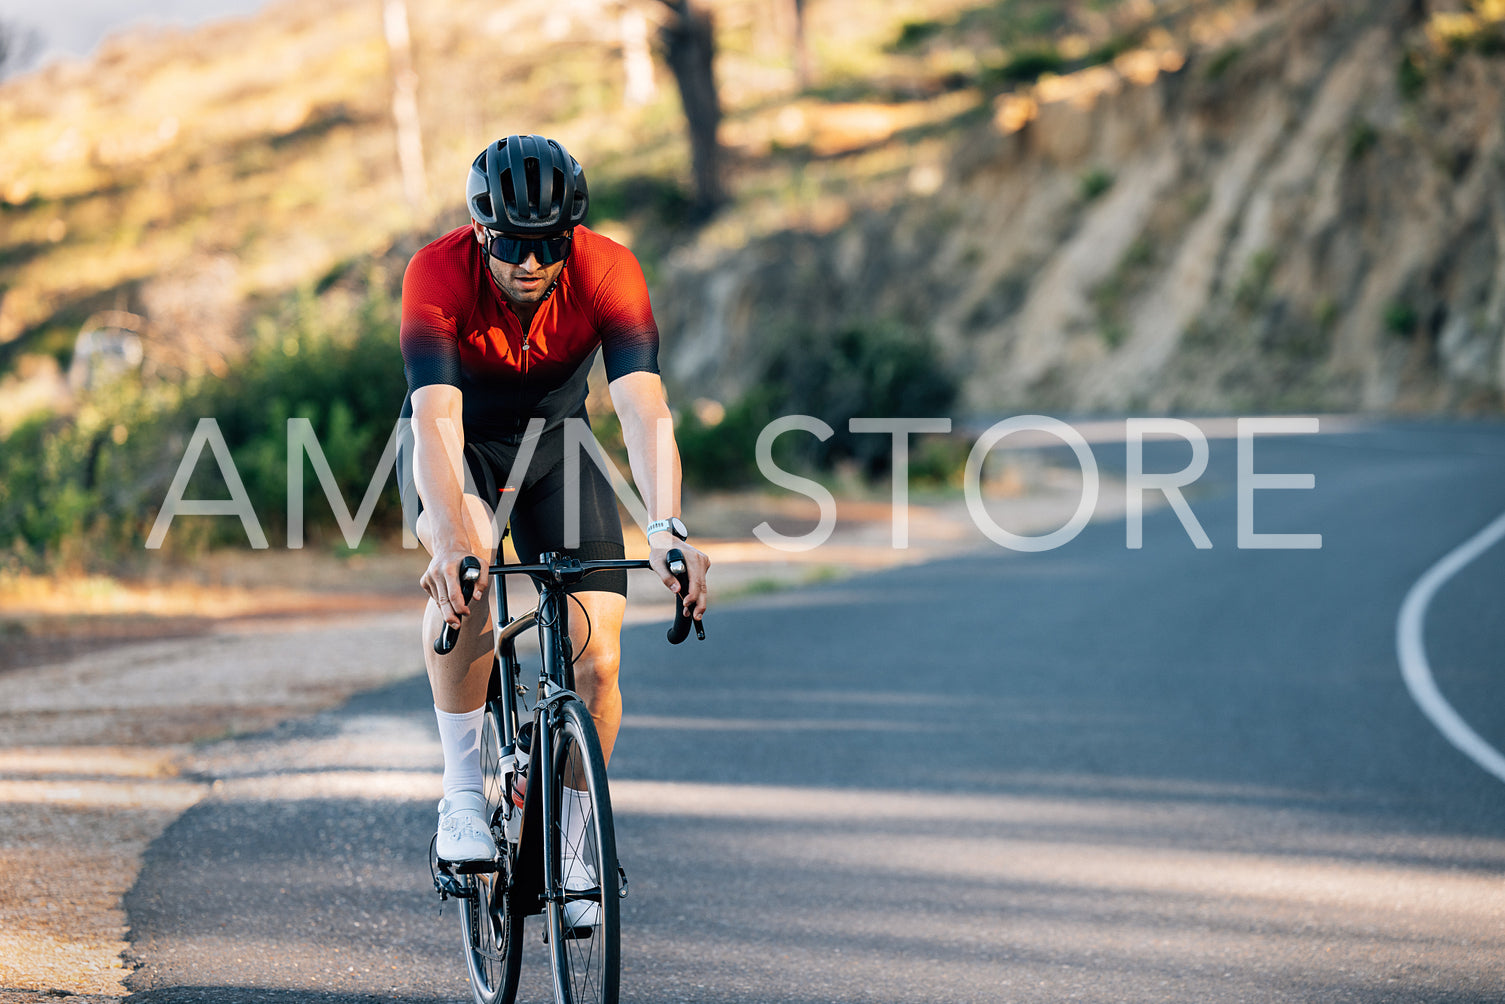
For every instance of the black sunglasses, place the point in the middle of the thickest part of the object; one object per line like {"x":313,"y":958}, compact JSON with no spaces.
{"x":514,"y":250}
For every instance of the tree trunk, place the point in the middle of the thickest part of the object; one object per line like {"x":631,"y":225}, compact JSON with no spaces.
{"x":405,"y":109}
{"x":690,"y":48}
{"x":637,"y":60}
{"x":801,"y":46}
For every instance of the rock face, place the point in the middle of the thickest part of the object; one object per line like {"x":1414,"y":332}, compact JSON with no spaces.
{"x":1308,"y":213}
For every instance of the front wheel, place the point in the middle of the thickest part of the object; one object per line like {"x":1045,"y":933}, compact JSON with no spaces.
{"x":584,"y":913}
{"x":493,"y":933}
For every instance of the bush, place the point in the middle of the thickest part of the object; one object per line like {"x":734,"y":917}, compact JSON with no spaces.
{"x":1026,"y":67}
{"x":870,"y":371}
{"x":723,"y":455}
{"x":878,"y":371}
{"x":90,"y":485}
{"x":1400,"y":317}
{"x":1094,"y":182}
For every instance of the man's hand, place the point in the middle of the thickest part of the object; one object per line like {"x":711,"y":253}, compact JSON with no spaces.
{"x":441,"y":580}
{"x":695,"y":599}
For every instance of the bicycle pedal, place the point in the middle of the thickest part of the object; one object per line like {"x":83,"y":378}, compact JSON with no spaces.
{"x":470,"y":867}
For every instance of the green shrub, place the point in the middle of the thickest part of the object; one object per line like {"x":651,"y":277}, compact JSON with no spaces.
{"x":882,"y":370}
{"x":1026,"y":66}
{"x":1222,"y":61}
{"x":1400,"y":317}
{"x":938,"y":461}
{"x":1254,"y":284}
{"x":723,"y":455}
{"x":913,"y":34}
{"x":1410,"y":76}
{"x":88,"y":487}
{"x":1362,"y":137}
{"x":343,"y":374}
{"x":1094,"y":183}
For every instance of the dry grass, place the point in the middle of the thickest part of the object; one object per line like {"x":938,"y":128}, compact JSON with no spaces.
{"x":266,"y":142}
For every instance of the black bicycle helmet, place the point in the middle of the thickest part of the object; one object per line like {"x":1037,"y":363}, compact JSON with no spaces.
{"x":550,"y":199}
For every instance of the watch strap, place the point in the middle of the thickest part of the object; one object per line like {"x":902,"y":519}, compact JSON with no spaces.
{"x":673,"y":525}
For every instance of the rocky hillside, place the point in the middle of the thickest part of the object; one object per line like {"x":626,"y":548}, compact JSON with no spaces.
{"x":1296,"y":206}
{"x":1117,"y":204}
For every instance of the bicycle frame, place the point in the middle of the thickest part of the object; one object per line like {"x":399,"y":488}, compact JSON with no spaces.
{"x":531,"y":873}
{"x":555,"y":684}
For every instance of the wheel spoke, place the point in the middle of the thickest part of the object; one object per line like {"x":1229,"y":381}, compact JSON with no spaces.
{"x":585,"y":911}
{"x":493,"y":937}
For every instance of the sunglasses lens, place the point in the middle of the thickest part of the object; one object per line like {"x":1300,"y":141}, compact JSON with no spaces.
{"x":515,"y":250}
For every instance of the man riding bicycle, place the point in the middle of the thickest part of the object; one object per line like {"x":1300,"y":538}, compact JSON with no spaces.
{"x":500,"y":324}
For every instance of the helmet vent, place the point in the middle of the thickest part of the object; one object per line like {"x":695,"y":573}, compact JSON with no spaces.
{"x":530,"y":173}
{"x":509,"y":195}
{"x":549,"y":197}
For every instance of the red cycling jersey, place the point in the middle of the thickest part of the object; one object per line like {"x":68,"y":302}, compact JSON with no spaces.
{"x":457,"y":329}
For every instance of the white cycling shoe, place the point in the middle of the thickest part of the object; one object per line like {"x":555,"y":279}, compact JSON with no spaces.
{"x":464,"y":834}
{"x":580,"y":915}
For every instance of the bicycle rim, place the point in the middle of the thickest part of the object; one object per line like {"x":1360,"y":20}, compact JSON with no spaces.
{"x":493,"y":935}
{"x":584,"y":922}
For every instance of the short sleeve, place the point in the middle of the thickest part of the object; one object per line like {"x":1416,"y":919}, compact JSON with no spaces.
{"x":430,"y":323}
{"x":624,"y":317}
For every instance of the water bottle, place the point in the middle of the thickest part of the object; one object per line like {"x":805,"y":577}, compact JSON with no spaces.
{"x":517,"y":783}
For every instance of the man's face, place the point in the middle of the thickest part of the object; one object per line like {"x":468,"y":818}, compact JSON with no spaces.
{"x":525,"y":282}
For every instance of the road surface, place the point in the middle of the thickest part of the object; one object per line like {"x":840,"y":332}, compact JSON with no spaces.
{"x":1094,"y":773}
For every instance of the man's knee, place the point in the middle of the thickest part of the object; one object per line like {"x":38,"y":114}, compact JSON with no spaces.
{"x":599,"y":665}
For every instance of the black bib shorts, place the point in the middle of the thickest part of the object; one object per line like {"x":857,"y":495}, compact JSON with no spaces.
{"x":538,"y":502}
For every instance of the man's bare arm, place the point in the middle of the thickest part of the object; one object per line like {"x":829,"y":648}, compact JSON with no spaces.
{"x":654,"y":458}
{"x":439,"y":474}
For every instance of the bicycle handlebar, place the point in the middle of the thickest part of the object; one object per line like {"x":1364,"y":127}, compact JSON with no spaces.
{"x":561,"y":570}
{"x":680,"y":629}
{"x":470,"y":573}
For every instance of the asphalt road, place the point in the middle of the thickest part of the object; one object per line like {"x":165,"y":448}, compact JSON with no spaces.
{"x":1087,"y":774}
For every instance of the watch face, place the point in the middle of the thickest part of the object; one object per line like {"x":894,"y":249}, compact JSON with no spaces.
{"x":677,"y":527}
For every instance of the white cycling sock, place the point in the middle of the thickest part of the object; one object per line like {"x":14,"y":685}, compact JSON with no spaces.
{"x":460,"y":738}
{"x":574,"y":814}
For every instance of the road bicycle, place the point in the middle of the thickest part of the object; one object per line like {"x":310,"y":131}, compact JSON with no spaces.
{"x":541,"y":759}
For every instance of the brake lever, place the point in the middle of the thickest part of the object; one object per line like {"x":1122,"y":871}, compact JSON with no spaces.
{"x":680,"y":629}
{"x":470,"y":574}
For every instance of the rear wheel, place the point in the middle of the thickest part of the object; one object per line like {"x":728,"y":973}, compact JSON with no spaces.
{"x":493,"y":934}
{"x":583,"y":917}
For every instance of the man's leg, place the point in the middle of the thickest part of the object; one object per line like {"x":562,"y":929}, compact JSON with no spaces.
{"x":458,"y":681}
{"x":597,"y":664}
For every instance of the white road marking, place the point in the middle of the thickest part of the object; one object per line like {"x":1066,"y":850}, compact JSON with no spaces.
{"x":1414,"y":667}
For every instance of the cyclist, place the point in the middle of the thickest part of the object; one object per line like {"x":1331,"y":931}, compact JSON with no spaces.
{"x":501,"y":320}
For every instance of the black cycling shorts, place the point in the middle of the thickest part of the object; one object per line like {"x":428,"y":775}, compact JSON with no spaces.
{"x":538,"y":511}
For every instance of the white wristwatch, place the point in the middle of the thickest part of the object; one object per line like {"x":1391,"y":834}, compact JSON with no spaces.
{"x":673,"y":524}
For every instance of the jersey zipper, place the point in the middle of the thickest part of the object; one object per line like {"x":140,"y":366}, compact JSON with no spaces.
{"x":527,"y":341}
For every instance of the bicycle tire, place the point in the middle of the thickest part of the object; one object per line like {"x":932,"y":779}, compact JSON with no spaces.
{"x":586,"y":956}
{"x":493,"y":932}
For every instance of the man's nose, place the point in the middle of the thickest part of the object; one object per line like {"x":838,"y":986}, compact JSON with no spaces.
{"x":530,"y":263}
